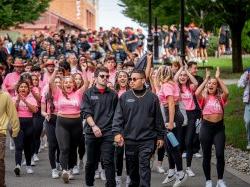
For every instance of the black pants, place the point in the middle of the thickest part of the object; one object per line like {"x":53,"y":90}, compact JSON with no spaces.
{"x":54,"y":151}
{"x":119,"y":160}
{"x":38,"y":120}
{"x":174,"y":153}
{"x":24,"y":141}
{"x":68,"y":134}
{"x":188,"y":135}
{"x":81,"y":147}
{"x":213,"y":134}
{"x":138,"y":156}
{"x":95,"y":147}
{"x":196,"y":139}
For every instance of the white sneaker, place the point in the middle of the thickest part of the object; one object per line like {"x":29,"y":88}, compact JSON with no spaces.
{"x":17,"y":170}
{"x":97,"y":174}
{"x":221,"y":183}
{"x":71,"y":176}
{"x":248,"y":147}
{"x":184,"y":155}
{"x":190,"y":172}
{"x":35,"y":158}
{"x":209,"y":183}
{"x":103,"y":176}
{"x":32,"y":162}
{"x":118,"y":181}
{"x":24,"y":163}
{"x":180,"y":179}
{"x":75,"y":170}
{"x":160,"y":169}
{"x":12,"y":145}
{"x":197,"y":155}
{"x":29,"y":170}
{"x":152,"y":161}
{"x":170,"y":177}
{"x":55,"y":174}
{"x":81,"y":165}
{"x":128,"y":180}
{"x":65,"y":176}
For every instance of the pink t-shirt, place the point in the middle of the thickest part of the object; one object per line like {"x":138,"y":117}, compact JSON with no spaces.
{"x":70,"y":106}
{"x":169,"y":89}
{"x":121,"y":91}
{"x":187,"y":97}
{"x":23,"y":110}
{"x":45,"y":81}
{"x":43,"y":101}
{"x":112,"y":75}
{"x":10,"y":82}
{"x":212,"y":105}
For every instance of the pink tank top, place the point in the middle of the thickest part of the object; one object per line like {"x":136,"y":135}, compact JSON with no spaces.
{"x":23,"y":110}
{"x":169,"y":89}
{"x":212,"y":105}
{"x":187,"y":97}
{"x":70,"y":106}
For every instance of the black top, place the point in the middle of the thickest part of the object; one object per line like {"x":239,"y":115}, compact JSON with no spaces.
{"x":101,"y":107}
{"x":138,"y":118}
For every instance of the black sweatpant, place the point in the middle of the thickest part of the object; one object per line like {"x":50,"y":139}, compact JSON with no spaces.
{"x":81,"y":147}
{"x":50,"y":127}
{"x":95,"y":147}
{"x":138,"y":156}
{"x":213,"y":134}
{"x":38,"y":120}
{"x":68,"y":134}
{"x":119,"y":160}
{"x":24,"y":141}
{"x":174,"y":153}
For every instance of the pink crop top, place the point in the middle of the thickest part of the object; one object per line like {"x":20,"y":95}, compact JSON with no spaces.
{"x":168,"y":89}
{"x":212,"y":105}
{"x":23,"y":110}
{"x":55,"y":102}
{"x":70,"y":106}
{"x":187,"y":97}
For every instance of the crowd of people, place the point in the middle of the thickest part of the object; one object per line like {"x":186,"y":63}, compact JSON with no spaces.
{"x":89,"y":92}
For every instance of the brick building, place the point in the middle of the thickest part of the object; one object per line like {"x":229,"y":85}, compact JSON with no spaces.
{"x":76,"y":14}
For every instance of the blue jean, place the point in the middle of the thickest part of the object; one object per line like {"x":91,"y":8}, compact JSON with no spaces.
{"x":247,"y":121}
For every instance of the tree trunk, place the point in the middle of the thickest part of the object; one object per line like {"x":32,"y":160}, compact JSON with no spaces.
{"x":236,"y":31}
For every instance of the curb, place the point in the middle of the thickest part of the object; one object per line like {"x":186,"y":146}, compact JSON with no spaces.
{"x":243,"y":177}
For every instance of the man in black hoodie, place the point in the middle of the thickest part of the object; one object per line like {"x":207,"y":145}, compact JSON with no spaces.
{"x":138,"y":123}
{"x":98,"y":108}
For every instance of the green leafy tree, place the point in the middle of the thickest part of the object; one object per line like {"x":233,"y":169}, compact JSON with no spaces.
{"x":14,"y":12}
{"x":209,"y":14}
{"x":246,"y":37}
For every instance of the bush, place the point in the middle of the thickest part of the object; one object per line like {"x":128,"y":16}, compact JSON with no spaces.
{"x":213,"y":45}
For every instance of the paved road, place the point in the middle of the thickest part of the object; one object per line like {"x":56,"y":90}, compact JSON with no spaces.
{"x":42,"y":176}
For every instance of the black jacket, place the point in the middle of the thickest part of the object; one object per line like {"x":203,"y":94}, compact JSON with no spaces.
{"x":101,"y":107}
{"x":138,"y":119}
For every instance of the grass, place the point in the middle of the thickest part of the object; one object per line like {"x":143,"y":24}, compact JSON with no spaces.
{"x":225,"y":65}
{"x":234,"y":123}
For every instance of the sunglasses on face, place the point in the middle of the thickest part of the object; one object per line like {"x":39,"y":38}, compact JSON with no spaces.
{"x":104,"y":76}
{"x":134,"y":79}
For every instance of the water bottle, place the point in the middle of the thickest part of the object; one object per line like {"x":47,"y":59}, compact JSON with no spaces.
{"x":171,"y":137}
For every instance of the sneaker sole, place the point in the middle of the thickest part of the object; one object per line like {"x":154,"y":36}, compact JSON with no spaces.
{"x":17,"y":172}
{"x":65,"y":178}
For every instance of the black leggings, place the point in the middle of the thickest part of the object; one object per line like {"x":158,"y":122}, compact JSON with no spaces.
{"x":68,"y":134}
{"x":213,"y":133}
{"x":81,"y":147}
{"x":119,"y":160}
{"x":174,"y":153}
{"x":38,"y":120}
{"x":24,"y":141}
{"x":54,"y":151}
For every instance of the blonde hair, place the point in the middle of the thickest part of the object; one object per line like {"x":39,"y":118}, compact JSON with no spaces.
{"x":164,"y":74}
{"x":218,"y":92}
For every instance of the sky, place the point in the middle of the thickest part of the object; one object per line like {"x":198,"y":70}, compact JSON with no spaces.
{"x":110,"y":14}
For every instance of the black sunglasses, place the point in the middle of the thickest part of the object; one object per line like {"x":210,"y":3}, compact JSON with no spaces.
{"x":103,"y":76}
{"x":134,"y":79}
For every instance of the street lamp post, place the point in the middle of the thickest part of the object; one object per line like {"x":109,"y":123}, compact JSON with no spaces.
{"x":182,"y":35}
{"x":150,"y":38}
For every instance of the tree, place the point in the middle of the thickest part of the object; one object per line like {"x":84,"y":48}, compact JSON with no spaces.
{"x":14,"y":12}
{"x":235,"y":13}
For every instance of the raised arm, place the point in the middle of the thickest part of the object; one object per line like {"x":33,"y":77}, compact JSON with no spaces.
{"x":224,"y":88}
{"x":198,"y":91}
